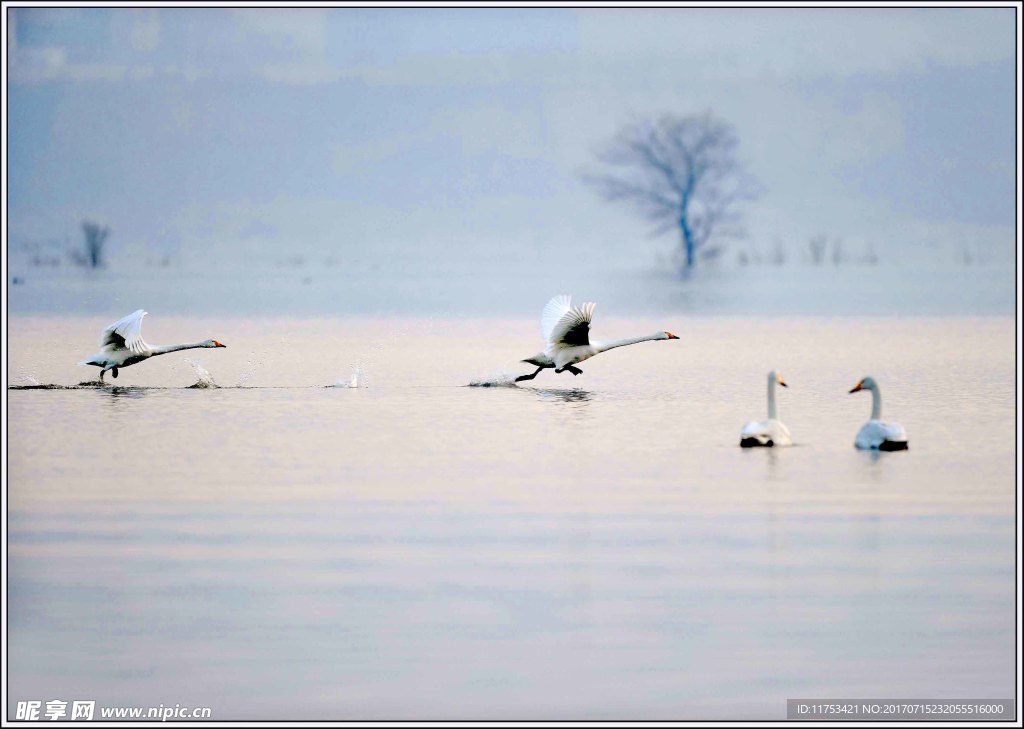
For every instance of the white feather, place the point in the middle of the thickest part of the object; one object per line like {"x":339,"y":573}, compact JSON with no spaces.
{"x":875,"y":432}
{"x":570,"y":318}
{"x":130,"y":329}
{"x":768,"y":430}
{"x":554,"y":310}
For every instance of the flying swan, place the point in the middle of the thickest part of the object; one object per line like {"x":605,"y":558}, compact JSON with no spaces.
{"x":566,"y":329}
{"x":876,"y":434}
{"x":121,"y":345}
{"x":770,"y":432}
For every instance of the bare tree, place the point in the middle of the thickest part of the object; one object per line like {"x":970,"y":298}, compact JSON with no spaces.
{"x":816,"y":245}
{"x":95,"y":237}
{"x":837,"y":251}
{"x":678,"y":172}
{"x":779,"y":254}
{"x":870,"y":257}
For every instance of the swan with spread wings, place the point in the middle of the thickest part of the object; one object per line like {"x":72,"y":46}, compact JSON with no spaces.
{"x":566,"y":330}
{"x":121,"y":345}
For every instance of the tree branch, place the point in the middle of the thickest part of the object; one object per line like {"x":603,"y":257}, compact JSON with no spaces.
{"x":679,"y":171}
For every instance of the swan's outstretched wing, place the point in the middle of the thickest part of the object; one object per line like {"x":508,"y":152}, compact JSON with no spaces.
{"x":126,"y":333}
{"x":566,"y":325}
{"x":554,"y":310}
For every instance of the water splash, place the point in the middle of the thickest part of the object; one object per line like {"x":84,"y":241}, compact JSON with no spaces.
{"x":41,"y":387}
{"x":252,"y":364}
{"x":500,"y":379}
{"x":28,"y":382}
{"x":356,"y":379}
{"x":205,"y":380}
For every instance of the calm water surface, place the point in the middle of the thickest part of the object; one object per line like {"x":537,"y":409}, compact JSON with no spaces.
{"x":592,"y":548}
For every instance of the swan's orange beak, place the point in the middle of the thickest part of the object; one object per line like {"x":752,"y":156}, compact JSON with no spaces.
{"x":857,"y":387}
{"x":781,"y":382}
{"x":671,"y":335}
{"x":218,"y":344}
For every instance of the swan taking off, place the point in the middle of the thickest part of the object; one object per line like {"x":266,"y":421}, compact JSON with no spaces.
{"x":121,"y":345}
{"x":566,"y":329}
{"x":875,"y":434}
{"x":770,"y":432}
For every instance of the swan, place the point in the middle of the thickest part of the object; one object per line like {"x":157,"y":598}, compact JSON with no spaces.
{"x":770,"y":432}
{"x":121,"y":345}
{"x":566,"y":329}
{"x":876,"y":434}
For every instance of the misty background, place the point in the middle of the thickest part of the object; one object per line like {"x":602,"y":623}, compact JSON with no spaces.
{"x":429,"y":161}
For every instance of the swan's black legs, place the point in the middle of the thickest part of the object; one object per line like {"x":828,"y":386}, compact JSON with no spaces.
{"x":102,"y":372}
{"x":529,"y":377}
{"x":113,"y":371}
{"x":570,"y":368}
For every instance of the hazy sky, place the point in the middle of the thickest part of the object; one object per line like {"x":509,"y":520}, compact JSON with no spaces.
{"x":423,"y":134}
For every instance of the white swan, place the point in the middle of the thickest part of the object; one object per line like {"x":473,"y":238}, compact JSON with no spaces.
{"x":121,"y":345}
{"x":876,"y":434}
{"x":770,"y":432}
{"x":566,"y":329}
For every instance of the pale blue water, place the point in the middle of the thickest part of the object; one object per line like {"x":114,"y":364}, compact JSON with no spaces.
{"x":583,"y":548}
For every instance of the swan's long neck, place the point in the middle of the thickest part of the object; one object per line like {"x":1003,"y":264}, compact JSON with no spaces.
{"x":165,"y":348}
{"x":876,"y":403}
{"x":773,"y":413}
{"x":605,"y":346}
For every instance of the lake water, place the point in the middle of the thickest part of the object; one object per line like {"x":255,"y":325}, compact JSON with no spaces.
{"x":596,"y":547}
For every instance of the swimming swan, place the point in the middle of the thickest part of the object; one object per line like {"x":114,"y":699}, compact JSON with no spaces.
{"x":875,"y":434}
{"x":770,"y":432}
